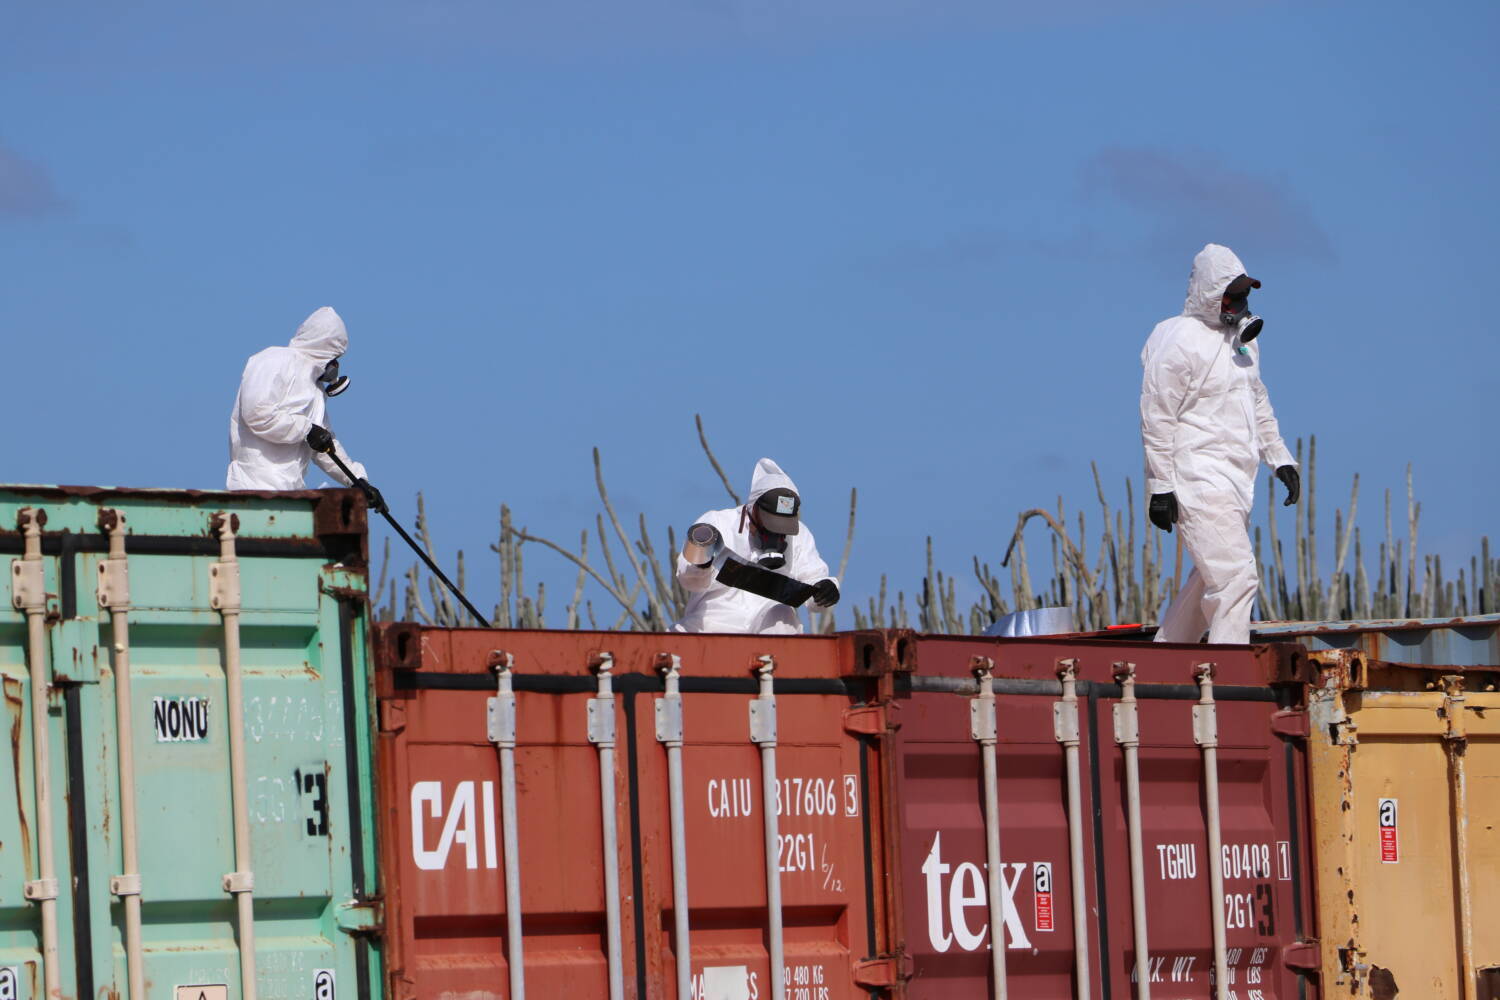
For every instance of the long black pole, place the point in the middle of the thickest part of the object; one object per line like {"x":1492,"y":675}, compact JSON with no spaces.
{"x":386,"y":513}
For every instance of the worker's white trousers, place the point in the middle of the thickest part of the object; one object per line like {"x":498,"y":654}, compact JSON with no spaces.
{"x":1220,"y":592}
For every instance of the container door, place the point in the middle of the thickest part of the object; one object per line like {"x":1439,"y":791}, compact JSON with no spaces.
{"x":299,"y":643}
{"x":20,"y":918}
{"x":446,"y":836}
{"x":306,"y":722}
{"x":944,"y":871}
{"x":943,"y":877}
{"x":1406,"y":787}
{"x":821,"y":848}
{"x":1259,"y":854}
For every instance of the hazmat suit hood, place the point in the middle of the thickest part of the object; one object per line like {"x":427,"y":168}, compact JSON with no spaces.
{"x":321,"y":336}
{"x":1214,"y":268}
{"x":768,"y":476}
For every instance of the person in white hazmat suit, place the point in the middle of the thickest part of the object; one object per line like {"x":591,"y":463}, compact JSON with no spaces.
{"x":1207,"y":423}
{"x":280,"y":413}
{"x":766,"y":532}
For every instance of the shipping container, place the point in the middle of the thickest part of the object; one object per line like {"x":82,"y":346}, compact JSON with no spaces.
{"x":529,"y":791}
{"x":189,"y":712}
{"x":881,"y":849}
{"x":1207,"y":869}
{"x":1404,"y":763}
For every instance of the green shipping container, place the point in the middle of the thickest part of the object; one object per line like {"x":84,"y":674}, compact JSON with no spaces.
{"x":231,"y":620}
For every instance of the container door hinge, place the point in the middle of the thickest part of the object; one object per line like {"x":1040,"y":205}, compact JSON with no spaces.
{"x":887,"y":971}
{"x":763,"y":721}
{"x":1291,"y":723}
{"x":1303,"y":957}
{"x":360,"y":917}
{"x":866,"y":720}
{"x":28,"y":585}
{"x":224,"y":586}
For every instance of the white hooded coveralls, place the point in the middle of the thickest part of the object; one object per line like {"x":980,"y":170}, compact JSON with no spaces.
{"x":1206,"y":423}
{"x":278,"y":402}
{"x":714,"y":607}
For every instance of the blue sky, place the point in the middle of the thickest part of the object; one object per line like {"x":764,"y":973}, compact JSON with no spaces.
{"x":909,"y":247}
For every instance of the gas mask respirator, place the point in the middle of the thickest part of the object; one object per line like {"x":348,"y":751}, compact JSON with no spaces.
{"x":772,"y":551}
{"x":332,"y":382}
{"x":1234,"y":311}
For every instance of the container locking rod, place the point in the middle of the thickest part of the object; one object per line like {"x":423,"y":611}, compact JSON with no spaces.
{"x":601,"y":711}
{"x":1206,"y":735}
{"x":763,"y":734}
{"x":1065,"y":726}
{"x":1128,"y":736}
{"x":114,"y":595}
{"x":1455,"y":742}
{"x":501,"y":711}
{"x":983,"y":728}
{"x":29,"y":594}
{"x":224,"y":597}
{"x":669,"y":731}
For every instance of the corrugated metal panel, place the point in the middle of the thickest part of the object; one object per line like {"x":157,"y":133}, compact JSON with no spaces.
{"x":445,"y":834}
{"x":306,"y":728}
{"x":1449,"y":642}
{"x":1405,"y":775}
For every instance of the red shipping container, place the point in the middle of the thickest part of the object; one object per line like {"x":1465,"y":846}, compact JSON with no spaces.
{"x":443,"y":828}
{"x":942,"y":866}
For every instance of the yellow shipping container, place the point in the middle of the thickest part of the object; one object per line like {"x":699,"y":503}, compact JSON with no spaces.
{"x":1405,"y":801}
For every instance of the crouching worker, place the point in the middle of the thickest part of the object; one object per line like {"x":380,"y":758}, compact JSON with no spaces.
{"x":747,"y":569}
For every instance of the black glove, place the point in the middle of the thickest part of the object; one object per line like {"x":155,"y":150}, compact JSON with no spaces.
{"x":320,"y":439}
{"x":825,"y":593}
{"x":1163,"y":510}
{"x":1292,"y":480}
{"x":372,"y":495}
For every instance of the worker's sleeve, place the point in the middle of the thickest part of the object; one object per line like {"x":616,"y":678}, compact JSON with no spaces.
{"x":1273,"y":450}
{"x":697,"y":579}
{"x":275,"y":406}
{"x":809,"y":566}
{"x":334,"y":472}
{"x":1164,"y":389}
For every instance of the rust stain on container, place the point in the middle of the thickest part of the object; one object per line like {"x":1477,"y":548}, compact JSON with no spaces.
{"x":1383,"y":984}
{"x":15,"y":704}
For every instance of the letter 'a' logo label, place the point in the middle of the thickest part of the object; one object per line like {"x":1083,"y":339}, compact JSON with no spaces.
{"x":1390,"y":847}
{"x":1042,"y":885}
{"x":323,"y":984}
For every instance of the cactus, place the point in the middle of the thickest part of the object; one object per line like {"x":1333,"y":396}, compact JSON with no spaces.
{"x":1126,"y":579}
